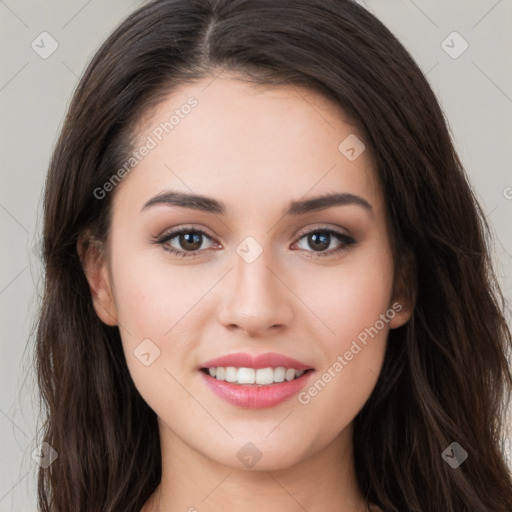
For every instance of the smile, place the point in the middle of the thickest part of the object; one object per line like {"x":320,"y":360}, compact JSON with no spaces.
{"x":255,"y":381}
{"x":260,"y":376}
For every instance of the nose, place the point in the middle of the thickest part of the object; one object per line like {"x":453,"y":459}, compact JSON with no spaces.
{"x":256,"y":300}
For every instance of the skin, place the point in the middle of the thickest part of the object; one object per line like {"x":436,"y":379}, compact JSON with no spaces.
{"x":283,"y":141}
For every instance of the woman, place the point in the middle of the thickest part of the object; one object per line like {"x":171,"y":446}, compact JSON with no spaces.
{"x":267,"y":278}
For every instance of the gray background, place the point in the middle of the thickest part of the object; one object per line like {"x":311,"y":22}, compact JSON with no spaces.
{"x":474,"y":89}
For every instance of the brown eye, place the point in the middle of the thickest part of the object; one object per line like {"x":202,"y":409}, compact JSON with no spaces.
{"x":190,"y":241}
{"x":185,"y":241}
{"x":319,"y":240}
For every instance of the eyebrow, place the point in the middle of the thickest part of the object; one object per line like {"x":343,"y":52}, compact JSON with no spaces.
{"x":295,"y":207}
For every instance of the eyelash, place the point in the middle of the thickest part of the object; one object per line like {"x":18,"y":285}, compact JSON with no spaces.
{"x":346,"y":241}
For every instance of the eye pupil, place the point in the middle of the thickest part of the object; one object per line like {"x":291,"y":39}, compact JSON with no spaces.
{"x":190,"y":240}
{"x":319,"y":240}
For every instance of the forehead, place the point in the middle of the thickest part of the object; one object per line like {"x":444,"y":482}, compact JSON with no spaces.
{"x":248,"y":145}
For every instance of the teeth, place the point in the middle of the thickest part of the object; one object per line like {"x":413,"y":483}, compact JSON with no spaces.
{"x":279,"y":374}
{"x":246,"y":376}
{"x":261,"y":376}
{"x":230,"y":374}
{"x":264,"y":376}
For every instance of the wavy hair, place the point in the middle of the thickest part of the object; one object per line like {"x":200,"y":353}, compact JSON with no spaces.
{"x":445,"y":376}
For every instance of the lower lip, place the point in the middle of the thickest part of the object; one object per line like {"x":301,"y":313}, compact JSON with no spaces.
{"x":256,"y":396}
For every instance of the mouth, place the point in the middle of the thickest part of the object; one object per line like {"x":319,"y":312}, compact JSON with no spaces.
{"x":254,"y":377}
{"x":255,"y":381}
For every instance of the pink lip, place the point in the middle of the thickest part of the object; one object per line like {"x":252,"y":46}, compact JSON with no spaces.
{"x":267,"y":360}
{"x":253,"y":395}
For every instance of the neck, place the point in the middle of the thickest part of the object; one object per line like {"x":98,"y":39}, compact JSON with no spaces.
{"x":192,"y":482}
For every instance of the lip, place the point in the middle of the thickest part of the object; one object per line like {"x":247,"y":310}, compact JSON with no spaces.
{"x":255,"y":396}
{"x":266,"y":360}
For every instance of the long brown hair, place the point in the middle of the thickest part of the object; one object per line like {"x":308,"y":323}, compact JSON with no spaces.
{"x":445,"y":376}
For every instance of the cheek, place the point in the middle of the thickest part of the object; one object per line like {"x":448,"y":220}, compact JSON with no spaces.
{"x":350,"y":297}
{"x":353,"y":303}
{"x":151,"y":298}
{"x":156,"y":337}
{"x":150,"y":307}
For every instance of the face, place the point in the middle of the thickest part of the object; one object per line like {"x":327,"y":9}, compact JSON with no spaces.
{"x":260,"y":267}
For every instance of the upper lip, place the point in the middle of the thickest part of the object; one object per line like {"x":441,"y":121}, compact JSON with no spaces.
{"x":266,"y":360}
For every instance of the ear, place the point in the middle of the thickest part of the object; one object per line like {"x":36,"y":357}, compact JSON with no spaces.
{"x":94,"y":264}
{"x":404,"y":290}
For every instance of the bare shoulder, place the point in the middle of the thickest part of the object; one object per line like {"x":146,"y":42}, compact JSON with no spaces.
{"x":375,"y":508}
